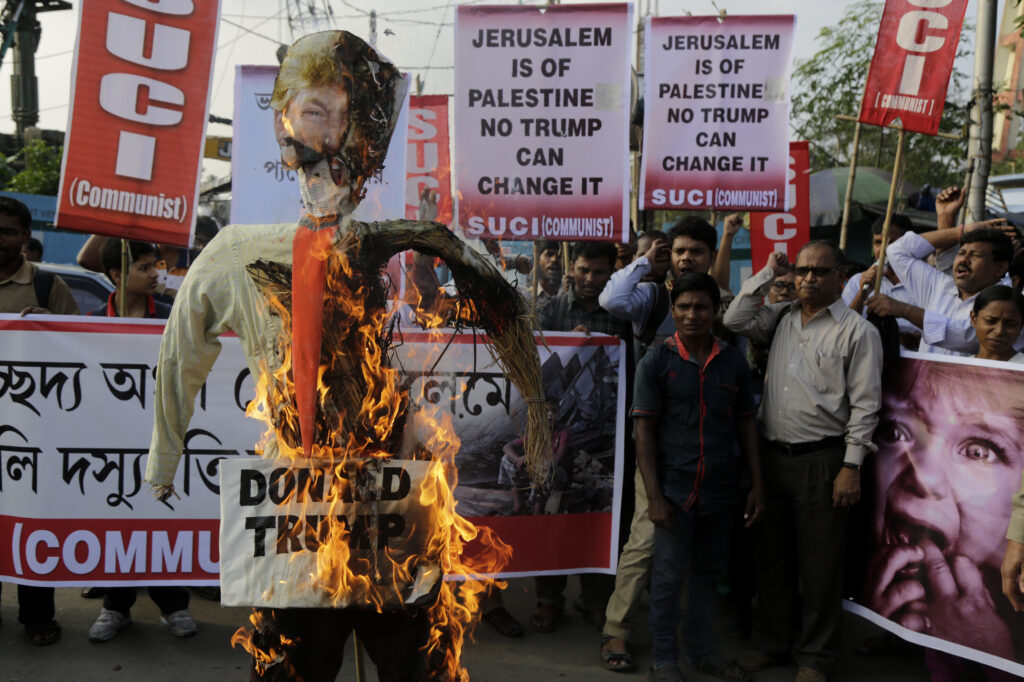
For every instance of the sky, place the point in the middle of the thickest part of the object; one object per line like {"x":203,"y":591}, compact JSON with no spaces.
{"x":415,"y":34}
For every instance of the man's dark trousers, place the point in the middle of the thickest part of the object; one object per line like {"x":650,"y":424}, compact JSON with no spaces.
{"x":698,"y":546}
{"x":35,"y":605}
{"x":801,"y":536}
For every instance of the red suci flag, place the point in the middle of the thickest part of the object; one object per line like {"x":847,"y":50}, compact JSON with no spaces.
{"x":785,"y":231}
{"x":138,"y":118}
{"x":913,"y":59}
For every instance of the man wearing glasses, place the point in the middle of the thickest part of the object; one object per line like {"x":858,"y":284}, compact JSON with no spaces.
{"x":820,"y":407}
{"x":783,"y":287}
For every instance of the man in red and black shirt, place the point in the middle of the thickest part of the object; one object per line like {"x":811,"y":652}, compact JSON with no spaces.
{"x":694,"y":411}
{"x":140,"y":285}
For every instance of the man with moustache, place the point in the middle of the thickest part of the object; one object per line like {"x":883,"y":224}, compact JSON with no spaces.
{"x":691,"y":247}
{"x":638,"y":294}
{"x":549,"y":271}
{"x":694,"y":412}
{"x":939,"y":305}
{"x":819,"y":410}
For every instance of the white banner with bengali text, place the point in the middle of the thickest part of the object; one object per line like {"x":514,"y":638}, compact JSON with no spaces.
{"x":76,"y":400}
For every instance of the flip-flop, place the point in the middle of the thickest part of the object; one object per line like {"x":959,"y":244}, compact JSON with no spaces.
{"x":616,"y":661}
{"x":546,"y":618}
{"x":504,"y":622}
{"x":43,"y":635}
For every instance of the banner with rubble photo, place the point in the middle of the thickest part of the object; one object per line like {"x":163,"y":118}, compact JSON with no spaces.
{"x":938,"y":499}
{"x":542,"y":105}
{"x":137,"y":120}
{"x":76,"y":401}
{"x":716,"y":112}
{"x":264,"y":191}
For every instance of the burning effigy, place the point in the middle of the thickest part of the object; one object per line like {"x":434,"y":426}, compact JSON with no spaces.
{"x":368,"y":530}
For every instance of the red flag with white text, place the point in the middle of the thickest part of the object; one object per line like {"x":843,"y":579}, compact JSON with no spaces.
{"x":913,"y":60}
{"x":137,"y":123}
{"x":785,"y":231}
{"x":428,"y":162}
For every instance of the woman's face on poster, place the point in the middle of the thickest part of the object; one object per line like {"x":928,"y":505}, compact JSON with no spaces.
{"x":949,"y":461}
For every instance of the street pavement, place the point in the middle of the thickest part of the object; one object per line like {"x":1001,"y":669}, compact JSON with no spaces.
{"x":145,"y":650}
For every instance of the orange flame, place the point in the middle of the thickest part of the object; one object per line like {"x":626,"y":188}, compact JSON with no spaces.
{"x":363,"y":417}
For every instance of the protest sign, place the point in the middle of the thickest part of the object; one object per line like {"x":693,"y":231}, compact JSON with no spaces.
{"x":428,"y":158}
{"x":76,"y":416}
{"x":277,"y":514}
{"x":939,"y":494}
{"x":913,"y":60}
{"x":264,"y":191}
{"x":789,"y":231}
{"x":542,"y":99}
{"x":137,"y":121}
{"x":716,"y":112}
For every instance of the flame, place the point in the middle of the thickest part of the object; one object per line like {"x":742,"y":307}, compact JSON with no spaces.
{"x":363,"y":419}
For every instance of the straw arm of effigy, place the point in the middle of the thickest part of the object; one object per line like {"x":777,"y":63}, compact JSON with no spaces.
{"x":497,"y":307}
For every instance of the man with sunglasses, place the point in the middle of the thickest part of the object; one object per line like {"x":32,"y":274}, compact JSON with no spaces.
{"x":820,"y":406}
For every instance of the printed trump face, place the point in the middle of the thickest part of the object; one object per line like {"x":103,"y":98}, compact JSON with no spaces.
{"x":949,"y":459}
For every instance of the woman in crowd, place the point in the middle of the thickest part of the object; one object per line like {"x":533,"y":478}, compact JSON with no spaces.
{"x":997,"y":318}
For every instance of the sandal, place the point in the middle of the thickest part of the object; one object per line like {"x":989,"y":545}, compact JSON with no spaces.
{"x":595,"y":617}
{"x":616,"y":661}
{"x":43,"y":635}
{"x":504,"y":622}
{"x":722,"y":669}
{"x":547,"y":617}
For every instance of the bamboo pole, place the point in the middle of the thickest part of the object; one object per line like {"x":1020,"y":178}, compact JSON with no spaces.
{"x":897,"y":162}
{"x":848,"y":199}
{"x":533,"y":279}
{"x":894,"y":126}
{"x":122,"y":290}
{"x":360,"y":664}
{"x":566,"y":264}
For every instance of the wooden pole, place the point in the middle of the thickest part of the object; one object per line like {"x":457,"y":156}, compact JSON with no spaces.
{"x":533,"y":279}
{"x":848,"y":199}
{"x":889,"y":208}
{"x":360,"y":664}
{"x":895,"y":126}
{"x":566,"y":264}
{"x":122,"y":291}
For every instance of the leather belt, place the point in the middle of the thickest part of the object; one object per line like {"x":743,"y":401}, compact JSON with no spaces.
{"x":794,"y":449}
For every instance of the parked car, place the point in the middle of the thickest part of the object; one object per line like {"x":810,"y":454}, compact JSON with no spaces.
{"x":90,"y":289}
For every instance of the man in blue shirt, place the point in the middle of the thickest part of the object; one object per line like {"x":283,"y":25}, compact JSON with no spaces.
{"x":694,"y":412}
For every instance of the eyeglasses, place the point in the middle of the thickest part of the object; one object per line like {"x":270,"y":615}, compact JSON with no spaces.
{"x":818,"y":272}
{"x":783,"y":286}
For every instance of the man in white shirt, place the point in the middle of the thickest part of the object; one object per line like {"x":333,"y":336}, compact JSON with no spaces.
{"x":860,"y":287}
{"x":939,"y":305}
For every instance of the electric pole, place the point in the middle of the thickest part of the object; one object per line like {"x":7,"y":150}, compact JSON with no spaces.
{"x":21,"y":28}
{"x":979,"y":147}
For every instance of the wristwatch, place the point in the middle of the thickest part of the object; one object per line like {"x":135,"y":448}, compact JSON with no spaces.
{"x":851,"y":465}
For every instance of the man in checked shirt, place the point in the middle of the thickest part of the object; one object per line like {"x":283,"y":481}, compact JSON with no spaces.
{"x":821,"y":398}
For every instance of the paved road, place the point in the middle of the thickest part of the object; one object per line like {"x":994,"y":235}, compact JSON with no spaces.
{"x":147,"y":651}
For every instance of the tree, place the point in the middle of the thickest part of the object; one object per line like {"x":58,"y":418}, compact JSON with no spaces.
{"x":832,"y":82}
{"x":42,"y":170}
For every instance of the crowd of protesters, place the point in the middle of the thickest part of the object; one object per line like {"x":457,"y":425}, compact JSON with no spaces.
{"x":751,"y":415}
